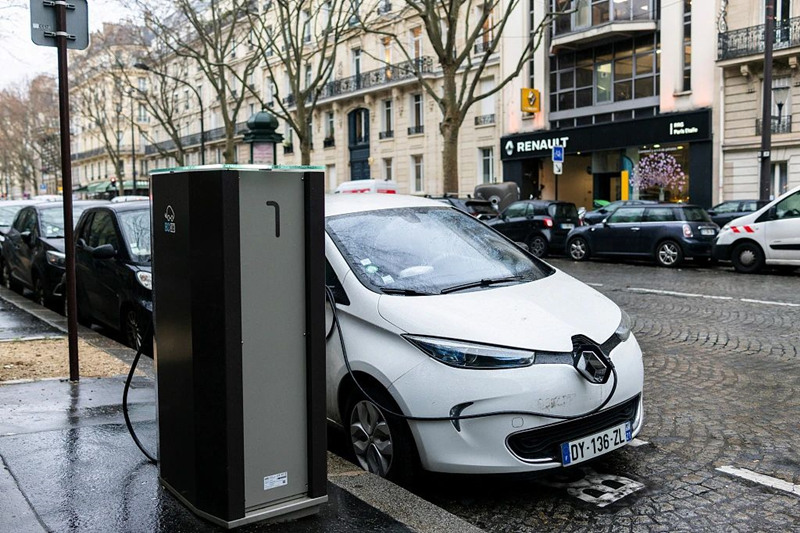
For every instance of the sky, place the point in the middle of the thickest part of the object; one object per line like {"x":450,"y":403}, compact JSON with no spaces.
{"x":20,"y":59}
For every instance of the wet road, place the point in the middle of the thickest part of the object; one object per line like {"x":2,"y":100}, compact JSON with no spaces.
{"x":722,"y":367}
{"x":17,"y":324}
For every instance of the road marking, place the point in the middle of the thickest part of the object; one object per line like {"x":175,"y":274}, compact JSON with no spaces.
{"x":595,"y":284}
{"x":761,"y":479}
{"x":708,"y":296}
{"x":767,"y":302}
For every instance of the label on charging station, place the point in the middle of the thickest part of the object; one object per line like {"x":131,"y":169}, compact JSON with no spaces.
{"x":276,"y":480}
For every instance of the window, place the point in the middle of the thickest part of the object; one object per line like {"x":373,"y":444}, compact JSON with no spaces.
{"x":306,"y":21}
{"x":326,"y":15}
{"x":789,"y":207}
{"x":781,"y":105}
{"x":416,"y":114}
{"x":329,"y":125}
{"x":268,"y":48}
{"x":142,"y":115}
{"x":488,"y":103}
{"x":309,"y":72}
{"x":417,"y":173}
{"x":687,"y":45}
{"x":388,"y":168}
{"x":626,"y":214}
{"x":355,"y":6}
{"x":271,"y":89}
{"x":487,"y":165}
{"x":416,"y":42}
{"x":142,"y":84}
{"x":388,"y":122}
{"x":659,"y":214}
{"x":779,"y":183}
{"x":356,"y":54}
{"x":103,"y":231}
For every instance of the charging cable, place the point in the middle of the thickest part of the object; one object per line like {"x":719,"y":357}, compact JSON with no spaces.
{"x":147,"y":335}
{"x":453,"y":418}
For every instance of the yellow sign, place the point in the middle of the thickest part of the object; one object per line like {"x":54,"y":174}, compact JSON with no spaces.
{"x":530,"y":101}
{"x":624,"y":184}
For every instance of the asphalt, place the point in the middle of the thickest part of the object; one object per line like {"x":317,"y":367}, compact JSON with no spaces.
{"x":69,"y":464}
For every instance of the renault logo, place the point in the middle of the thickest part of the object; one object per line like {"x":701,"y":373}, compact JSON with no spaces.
{"x":509,"y":147}
{"x":590,"y":364}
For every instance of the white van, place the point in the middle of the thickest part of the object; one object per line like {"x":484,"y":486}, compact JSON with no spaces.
{"x":357,"y":186}
{"x":769,"y":236}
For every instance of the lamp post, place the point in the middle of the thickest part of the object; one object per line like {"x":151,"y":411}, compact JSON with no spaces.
{"x":145,"y":66}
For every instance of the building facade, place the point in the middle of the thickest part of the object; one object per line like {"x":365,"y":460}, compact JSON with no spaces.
{"x":740,"y":58}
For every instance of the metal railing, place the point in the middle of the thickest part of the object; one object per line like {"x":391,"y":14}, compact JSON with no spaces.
{"x":782,"y":124}
{"x":327,"y":143}
{"x":482,"y":46}
{"x":750,"y":41}
{"x":288,"y":148}
{"x":388,"y":134}
{"x":484,"y":120}
{"x":192,"y":139}
{"x":89,"y":153}
{"x":415,"y":130}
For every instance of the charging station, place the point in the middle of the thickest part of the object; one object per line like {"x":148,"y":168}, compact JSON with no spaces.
{"x":239,"y":280}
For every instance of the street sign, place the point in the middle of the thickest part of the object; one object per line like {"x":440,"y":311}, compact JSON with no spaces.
{"x":43,"y":23}
{"x":43,"y":187}
{"x":558,"y":154}
{"x":558,"y":168}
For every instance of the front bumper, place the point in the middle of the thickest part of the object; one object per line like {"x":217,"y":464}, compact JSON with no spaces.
{"x":721,"y":252}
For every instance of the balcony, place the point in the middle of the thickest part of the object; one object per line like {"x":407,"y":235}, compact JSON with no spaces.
{"x":378,"y":77}
{"x":388,"y":134}
{"x":90,"y":153}
{"x":750,"y":41}
{"x":328,"y":142}
{"x":192,"y":139}
{"x":484,"y":120}
{"x":416,"y":130}
{"x":482,"y":47}
{"x":782,"y":124}
{"x":601,"y":21}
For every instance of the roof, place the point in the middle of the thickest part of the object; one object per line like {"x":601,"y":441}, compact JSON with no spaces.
{"x":340,"y":204}
{"x":136,"y":205}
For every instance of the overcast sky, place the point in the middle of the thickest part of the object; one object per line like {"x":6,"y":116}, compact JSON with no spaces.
{"x":19,"y":57}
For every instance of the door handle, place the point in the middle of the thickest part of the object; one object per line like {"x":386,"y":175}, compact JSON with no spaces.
{"x":635,"y":229}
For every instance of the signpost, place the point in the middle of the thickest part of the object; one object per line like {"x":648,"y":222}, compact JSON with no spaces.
{"x":64,"y":24}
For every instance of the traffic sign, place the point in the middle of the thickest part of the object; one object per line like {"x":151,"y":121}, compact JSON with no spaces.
{"x":558,"y":168}
{"x":44,"y":25}
{"x":558,"y":154}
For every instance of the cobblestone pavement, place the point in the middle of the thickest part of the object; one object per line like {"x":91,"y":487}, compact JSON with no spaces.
{"x":721,"y":389}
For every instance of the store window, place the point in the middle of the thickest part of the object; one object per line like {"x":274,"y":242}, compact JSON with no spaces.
{"x":576,"y":15}
{"x":661,"y":173}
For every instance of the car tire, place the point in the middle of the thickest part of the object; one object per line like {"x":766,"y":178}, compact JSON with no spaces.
{"x":747,"y":258}
{"x":39,"y":292}
{"x":669,"y":254}
{"x":134,"y":329}
{"x":381,"y":442}
{"x":8,"y":281}
{"x":537,"y":245}
{"x":578,"y":249}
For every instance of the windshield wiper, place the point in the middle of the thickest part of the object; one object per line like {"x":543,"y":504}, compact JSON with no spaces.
{"x":482,"y":283}
{"x":404,"y":292}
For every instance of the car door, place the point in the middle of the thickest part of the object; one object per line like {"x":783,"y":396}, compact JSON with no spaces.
{"x":657,"y":222}
{"x":84,"y":275}
{"x":102,"y":291}
{"x":11,"y":246}
{"x":621,"y":232}
{"x":517,"y":221}
{"x":26,"y":247}
{"x":782,"y":232}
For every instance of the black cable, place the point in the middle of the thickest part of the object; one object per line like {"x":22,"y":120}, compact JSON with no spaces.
{"x":331,"y":299}
{"x":147,"y":335}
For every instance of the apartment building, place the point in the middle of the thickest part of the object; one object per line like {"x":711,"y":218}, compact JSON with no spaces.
{"x":740,"y":58}
{"x":624,"y":84}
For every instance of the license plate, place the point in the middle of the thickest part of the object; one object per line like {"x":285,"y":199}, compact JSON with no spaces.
{"x":580,"y":450}
{"x":567,"y":226}
{"x":707,"y":232}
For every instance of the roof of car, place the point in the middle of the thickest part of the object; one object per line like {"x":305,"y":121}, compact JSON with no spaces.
{"x":340,"y":204}
{"x":59,"y":205}
{"x":133,"y":205}
{"x":5,"y":203}
{"x":541,"y":202}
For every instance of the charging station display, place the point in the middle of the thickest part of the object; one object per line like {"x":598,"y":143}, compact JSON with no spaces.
{"x":238,"y":272}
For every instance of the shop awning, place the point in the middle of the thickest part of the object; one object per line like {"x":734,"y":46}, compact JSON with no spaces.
{"x":95,"y":187}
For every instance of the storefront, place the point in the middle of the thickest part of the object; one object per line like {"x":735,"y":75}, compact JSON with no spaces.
{"x":667,"y":157}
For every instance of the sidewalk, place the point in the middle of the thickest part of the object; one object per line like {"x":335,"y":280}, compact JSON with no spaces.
{"x":69,"y":463}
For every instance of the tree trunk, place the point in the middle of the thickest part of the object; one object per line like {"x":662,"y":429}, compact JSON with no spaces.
{"x":305,"y":151}
{"x":450,"y":157}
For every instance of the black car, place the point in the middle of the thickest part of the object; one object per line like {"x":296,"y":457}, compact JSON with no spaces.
{"x":723,"y":213}
{"x":33,"y":249}
{"x":541,"y":224}
{"x":666,"y":233}
{"x":480,"y":209}
{"x":112,"y":269}
{"x":596,"y":216}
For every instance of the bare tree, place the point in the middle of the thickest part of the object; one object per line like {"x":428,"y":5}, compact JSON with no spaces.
{"x":454,"y":28}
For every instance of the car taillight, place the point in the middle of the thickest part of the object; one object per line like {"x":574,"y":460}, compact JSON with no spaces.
{"x":548,"y":222}
{"x":687,"y":231}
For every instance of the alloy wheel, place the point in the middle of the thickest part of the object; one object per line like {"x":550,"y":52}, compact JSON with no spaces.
{"x":577,"y":249}
{"x":371,"y":438}
{"x":133,"y":330}
{"x":669,"y":254}
{"x":538,"y":246}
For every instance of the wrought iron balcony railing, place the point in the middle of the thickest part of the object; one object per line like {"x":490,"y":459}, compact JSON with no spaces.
{"x":416,"y":130}
{"x":482,"y":46}
{"x":750,"y":41}
{"x":89,"y":153}
{"x":377,"y":77}
{"x":782,"y":124}
{"x":192,"y":139}
{"x":388,"y":134}
{"x":327,"y":143}
{"x":288,"y":148}
{"x":484,"y":120}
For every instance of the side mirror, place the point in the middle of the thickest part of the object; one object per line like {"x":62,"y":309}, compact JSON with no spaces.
{"x":105,"y":251}
{"x":26,"y":237}
{"x":605,"y":222}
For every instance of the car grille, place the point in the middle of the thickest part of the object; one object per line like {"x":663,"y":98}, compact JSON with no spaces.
{"x":544,"y":444}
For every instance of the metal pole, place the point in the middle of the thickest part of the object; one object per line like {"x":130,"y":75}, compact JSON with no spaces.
{"x":66,"y":170}
{"x":766,"y":110}
{"x":133,"y":145}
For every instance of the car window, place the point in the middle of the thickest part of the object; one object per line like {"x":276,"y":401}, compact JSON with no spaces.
{"x":726,"y":207}
{"x":627,"y":214}
{"x":516,"y":210}
{"x":561,"y":211}
{"x":52,"y":220}
{"x":426,"y":250}
{"x":21,"y":220}
{"x":789,"y":207}
{"x":86,"y":229}
{"x":103,"y":230}
{"x":659,"y":214}
{"x":695,"y":214}
{"x":7,"y":214}
{"x":135,"y":227}
{"x":749,"y":206}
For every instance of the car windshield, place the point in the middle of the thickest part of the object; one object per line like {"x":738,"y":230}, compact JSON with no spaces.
{"x":136,"y":232}
{"x":7,"y":214}
{"x":428,"y":251}
{"x":52,"y":220}
{"x":696,"y":214}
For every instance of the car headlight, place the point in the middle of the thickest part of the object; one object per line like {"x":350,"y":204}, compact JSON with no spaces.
{"x":624,"y":329}
{"x":57,"y":259}
{"x":470,"y":355}
{"x":145,"y":279}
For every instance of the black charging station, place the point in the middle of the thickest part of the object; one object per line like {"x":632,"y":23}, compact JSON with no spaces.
{"x":238,"y":272}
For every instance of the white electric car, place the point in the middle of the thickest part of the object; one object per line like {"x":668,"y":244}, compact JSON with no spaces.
{"x":457,"y":351}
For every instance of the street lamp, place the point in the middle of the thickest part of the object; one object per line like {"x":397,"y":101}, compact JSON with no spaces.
{"x":781,"y":94}
{"x":145,"y":66}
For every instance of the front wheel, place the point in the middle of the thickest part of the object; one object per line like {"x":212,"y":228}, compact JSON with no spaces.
{"x":134,"y":329}
{"x":747,"y":258}
{"x":537,"y":245}
{"x":578,"y":249}
{"x":669,"y":254}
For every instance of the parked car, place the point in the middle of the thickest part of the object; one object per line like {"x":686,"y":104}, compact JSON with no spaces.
{"x":112,"y":269}
{"x":769,"y":236}
{"x":723,"y":213}
{"x":543,"y":225}
{"x":412,"y":280}
{"x":481,"y":209}
{"x":667,"y":233}
{"x":33,"y":250}
{"x":596,"y":216}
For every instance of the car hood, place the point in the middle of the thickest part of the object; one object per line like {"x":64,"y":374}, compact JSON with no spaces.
{"x":542,"y":314}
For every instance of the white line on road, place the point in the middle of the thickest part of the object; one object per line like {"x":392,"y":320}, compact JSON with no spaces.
{"x":767,"y":302}
{"x":708,"y":296}
{"x":761,"y":479}
{"x":595,"y":284}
